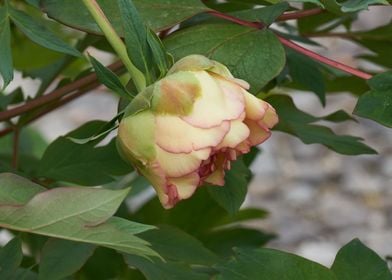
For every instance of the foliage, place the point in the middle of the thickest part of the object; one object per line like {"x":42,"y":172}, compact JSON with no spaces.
{"x":91,"y":229}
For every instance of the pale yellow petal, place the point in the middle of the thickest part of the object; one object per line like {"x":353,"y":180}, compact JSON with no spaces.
{"x":258,"y":132}
{"x":255,"y":108}
{"x":185,"y":185}
{"x":213,"y":106}
{"x":270,"y":118}
{"x":217,"y":177}
{"x":136,"y":135}
{"x":175,"y":135}
{"x":177,"y":165}
{"x":238,"y":132}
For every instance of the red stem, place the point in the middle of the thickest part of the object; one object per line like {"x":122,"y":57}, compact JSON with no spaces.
{"x":236,"y":20}
{"x":324,"y":59}
{"x":296,"y":47}
{"x":300,"y":14}
{"x":54,"y":95}
{"x":55,"y":105}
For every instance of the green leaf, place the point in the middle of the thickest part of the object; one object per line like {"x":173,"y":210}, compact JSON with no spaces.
{"x":24,"y":274}
{"x":188,"y":249}
{"x":378,"y":40}
{"x":53,"y":265}
{"x":358,"y":5}
{"x":253,"y":55}
{"x":267,"y":14}
{"x":356,"y":261}
{"x":222,"y":241}
{"x":272,"y":265}
{"x":10,"y":258}
{"x":339,"y":116}
{"x":104,"y":264}
{"x":109,"y":79}
{"x":34,"y":3}
{"x":6,"y":65}
{"x":17,"y":190}
{"x":307,"y":73}
{"x":242,"y":216}
{"x":16,"y":96}
{"x":135,"y":34}
{"x":100,"y":133}
{"x":196,"y":216}
{"x":344,"y":144}
{"x":39,"y":34}
{"x":162,"y":59}
{"x":158,"y":14}
{"x":164,"y":270}
{"x":295,"y":122}
{"x":83,"y":164}
{"x":317,"y":2}
{"x":88,"y":210}
{"x":233,"y":193}
{"x":376,"y":104}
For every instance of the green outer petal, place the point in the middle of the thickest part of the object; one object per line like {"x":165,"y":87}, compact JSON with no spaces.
{"x":176,"y":94}
{"x":220,"y":69}
{"x":193,"y":62}
{"x":136,"y":136}
{"x":141,"y":102}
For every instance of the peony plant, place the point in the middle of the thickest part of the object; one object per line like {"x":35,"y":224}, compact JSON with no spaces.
{"x":184,"y":130}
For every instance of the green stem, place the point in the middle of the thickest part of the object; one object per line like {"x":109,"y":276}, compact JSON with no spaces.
{"x":116,"y":42}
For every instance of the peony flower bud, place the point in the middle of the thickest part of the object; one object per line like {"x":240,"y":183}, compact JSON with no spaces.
{"x":184,"y":130}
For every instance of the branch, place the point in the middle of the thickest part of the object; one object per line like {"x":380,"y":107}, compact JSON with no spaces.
{"x":296,"y":47}
{"x":56,"y":94}
{"x":325,"y":60}
{"x":54,"y":106}
{"x":300,"y":14}
{"x":258,"y":25}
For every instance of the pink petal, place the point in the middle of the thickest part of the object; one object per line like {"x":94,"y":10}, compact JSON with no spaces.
{"x":180,"y":188}
{"x":258,"y":132}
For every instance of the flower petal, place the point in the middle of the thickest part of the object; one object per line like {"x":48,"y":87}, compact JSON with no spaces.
{"x":255,"y":108}
{"x":177,"y":165}
{"x":136,"y":136}
{"x":176,"y":136}
{"x":258,"y":132}
{"x":186,"y":185}
{"x":216,"y":104}
{"x":270,"y":118}
{"x":176,"y":93}
{"x":238,"y":132}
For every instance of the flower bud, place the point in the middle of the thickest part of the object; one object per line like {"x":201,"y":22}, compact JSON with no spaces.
{"x":185,"y":129}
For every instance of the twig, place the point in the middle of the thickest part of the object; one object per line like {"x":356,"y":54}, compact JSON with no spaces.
{"x":300,"y":14}
{"x":56,"y":94}
{"x":324,"y":59}
{"x":54,"y":106}
{"x":258,"y":25}
{"x":296,"y":47}
{"x":5,"y":131}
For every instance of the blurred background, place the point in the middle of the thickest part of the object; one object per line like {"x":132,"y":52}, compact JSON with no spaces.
{"x":318,"y":200}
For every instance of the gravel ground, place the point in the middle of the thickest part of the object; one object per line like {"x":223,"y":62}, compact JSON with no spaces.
{"x":320,"y":200}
